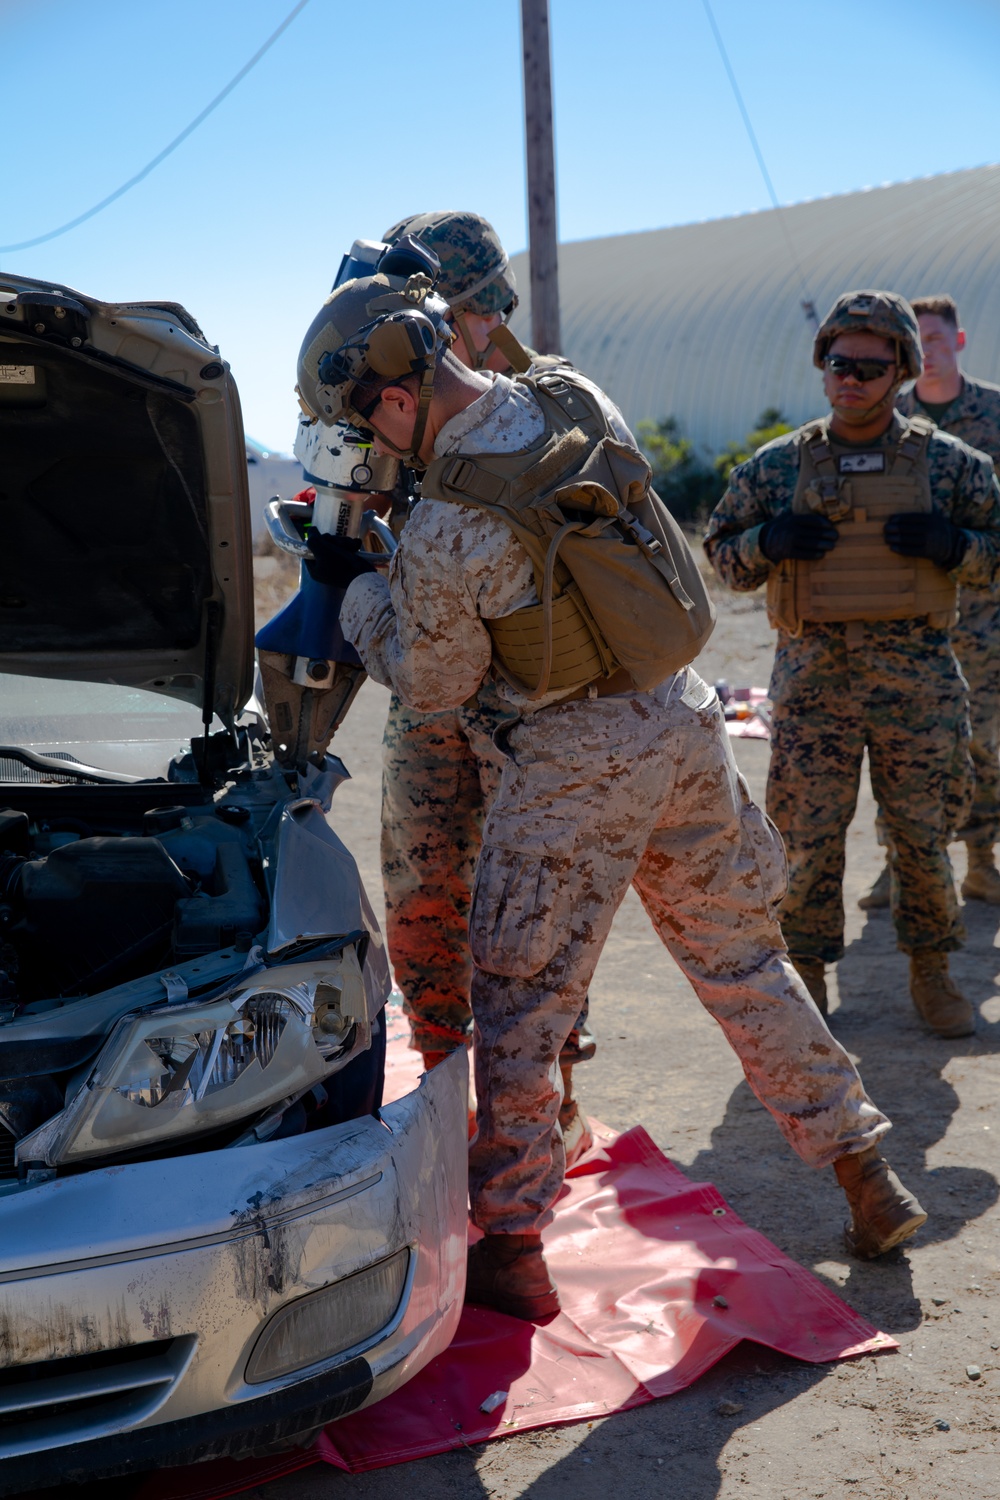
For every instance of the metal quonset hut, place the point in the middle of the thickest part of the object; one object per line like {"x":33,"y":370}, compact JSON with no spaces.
{"x":705,"y":322}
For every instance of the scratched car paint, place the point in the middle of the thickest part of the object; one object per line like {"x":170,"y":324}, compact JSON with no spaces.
{"x":212,"y":1239}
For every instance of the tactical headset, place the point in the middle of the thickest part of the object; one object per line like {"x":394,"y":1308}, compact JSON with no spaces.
{"x":402,"y":331}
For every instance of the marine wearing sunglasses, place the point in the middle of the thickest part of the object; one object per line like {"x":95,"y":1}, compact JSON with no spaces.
{"x":865,"y":370}
{"x":861,"y":375}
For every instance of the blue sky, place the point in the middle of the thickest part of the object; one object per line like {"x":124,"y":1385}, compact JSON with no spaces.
{"x":362,"y":113}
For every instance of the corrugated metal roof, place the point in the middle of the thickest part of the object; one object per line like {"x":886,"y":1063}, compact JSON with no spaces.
{"x":705,"y":322}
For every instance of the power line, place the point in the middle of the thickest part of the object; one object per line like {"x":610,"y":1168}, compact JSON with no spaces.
{"x":177,"y":141}
{"x":808,"y":306}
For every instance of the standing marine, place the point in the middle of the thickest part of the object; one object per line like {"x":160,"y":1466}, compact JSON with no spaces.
{"x":539,"y":557}
{"x":862,"y":525}
{"x":970,"y":410}
{"x":441,"y":770}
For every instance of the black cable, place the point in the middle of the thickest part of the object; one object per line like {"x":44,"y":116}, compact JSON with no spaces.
{"x":150,"y":166}
{"x":808,"y":306}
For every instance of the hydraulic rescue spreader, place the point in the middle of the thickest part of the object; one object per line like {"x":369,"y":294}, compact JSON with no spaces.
{"x":310,"y":674}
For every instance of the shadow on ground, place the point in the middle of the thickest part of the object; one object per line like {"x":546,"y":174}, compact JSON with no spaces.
{"x":905,"y":1071}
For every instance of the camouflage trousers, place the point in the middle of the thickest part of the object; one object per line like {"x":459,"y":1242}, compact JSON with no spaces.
{"x":899,"y":694}
{"x":976,"y":642}
{"x":597,"y":794}
{"x":440,"y":772}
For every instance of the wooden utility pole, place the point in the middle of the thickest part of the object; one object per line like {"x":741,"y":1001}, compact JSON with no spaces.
{"x":541,"y":163}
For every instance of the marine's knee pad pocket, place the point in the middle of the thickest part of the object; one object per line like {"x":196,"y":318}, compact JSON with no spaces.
{"x":768,"y":848}
{"x":523,"y":894}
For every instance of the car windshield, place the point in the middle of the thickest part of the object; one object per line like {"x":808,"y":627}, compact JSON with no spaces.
{"x":103,"y":724}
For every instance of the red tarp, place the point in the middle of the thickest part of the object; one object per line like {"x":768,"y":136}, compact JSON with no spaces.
{"x":658,"y":1277}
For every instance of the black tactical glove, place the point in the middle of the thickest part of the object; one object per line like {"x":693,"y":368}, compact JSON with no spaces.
{"x":335,"y":559}
{"x":926,"y":533}
{"x":806,"y":538}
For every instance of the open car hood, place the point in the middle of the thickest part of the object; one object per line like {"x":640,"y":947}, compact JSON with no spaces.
{"x":125,"y":542}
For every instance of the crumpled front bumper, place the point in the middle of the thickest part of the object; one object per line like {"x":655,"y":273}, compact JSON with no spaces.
{"x":131,"y":1297}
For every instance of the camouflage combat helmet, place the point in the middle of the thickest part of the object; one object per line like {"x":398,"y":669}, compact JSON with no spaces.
{"x":884,"y":313}
{"x":368,"y":329}
{"x":475,"y":272}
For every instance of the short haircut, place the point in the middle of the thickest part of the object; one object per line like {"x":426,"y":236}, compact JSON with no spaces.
{"x":936,"y":307}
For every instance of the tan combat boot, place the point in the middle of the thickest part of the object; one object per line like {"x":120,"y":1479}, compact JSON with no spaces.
{"x":576,"y":1132}
{"x":883,"y":1213}
{"x":877,"y":899}
{"x":982,"y":883}
{"x":938,"y":998}
{"x":508,"y":1272}
{"x":812,"y":972}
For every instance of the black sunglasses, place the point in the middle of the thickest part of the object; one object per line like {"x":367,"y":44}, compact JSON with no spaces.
{"x":861,"y":369}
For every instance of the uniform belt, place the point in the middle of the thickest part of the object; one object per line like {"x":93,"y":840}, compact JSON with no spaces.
{"x":603,"y":687}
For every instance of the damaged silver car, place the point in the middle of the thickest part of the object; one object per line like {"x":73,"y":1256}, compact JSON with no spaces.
{"x":213,"y":1239}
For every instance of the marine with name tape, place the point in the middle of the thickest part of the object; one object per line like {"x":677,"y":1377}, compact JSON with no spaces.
{"x":862,"y":525}
{"x":536,"y":554}
{"x":441,"y":771}
{"x":968,"y":409}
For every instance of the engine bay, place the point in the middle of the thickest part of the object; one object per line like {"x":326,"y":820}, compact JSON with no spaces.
{"x":163,"y":984}
{"x":83,"y":908}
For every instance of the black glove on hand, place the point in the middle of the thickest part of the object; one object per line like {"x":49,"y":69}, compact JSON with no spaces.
{"x":335,"y":559}
{"x":806,"y":538}
{"x":926,"y":533}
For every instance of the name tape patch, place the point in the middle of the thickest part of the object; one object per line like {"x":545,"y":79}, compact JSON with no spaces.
{"x":861,"y":463}
{"x":17,"y":374}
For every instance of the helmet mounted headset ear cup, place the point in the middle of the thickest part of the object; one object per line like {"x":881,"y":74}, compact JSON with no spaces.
{"x":399,"y":345}
{"x":382,"y":327}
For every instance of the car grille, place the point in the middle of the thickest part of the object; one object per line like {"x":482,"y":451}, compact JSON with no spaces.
{"x":59,"y":1401}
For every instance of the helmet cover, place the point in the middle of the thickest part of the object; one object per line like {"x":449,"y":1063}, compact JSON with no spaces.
{"x":475,"y":274}
{"x":885,"y":313}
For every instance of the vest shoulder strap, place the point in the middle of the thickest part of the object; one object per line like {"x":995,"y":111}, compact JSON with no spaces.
{"x":911,"y":450}
{"x":814,"y":439}
{"x":574,"y":424}
{"x":466,"y":480}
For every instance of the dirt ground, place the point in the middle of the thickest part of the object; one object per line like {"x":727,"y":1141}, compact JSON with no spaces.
{"x":912,"y":1425}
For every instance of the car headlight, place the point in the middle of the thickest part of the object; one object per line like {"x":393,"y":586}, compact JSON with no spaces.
{"x":188,"y":1069}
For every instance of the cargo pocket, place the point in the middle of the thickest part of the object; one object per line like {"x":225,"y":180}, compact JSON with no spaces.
{"x":522,"y":896}
{"x":767,"y":846}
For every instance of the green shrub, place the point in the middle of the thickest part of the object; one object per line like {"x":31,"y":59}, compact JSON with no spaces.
{"x":686,"y":485}
{"x":770,"y":424}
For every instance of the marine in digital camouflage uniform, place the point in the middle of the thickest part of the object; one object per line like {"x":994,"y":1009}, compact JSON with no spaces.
{"x":972,"y":414}
{"x":441,"y":771}
{"x":891,"y":685}
{"x":599,"y":790}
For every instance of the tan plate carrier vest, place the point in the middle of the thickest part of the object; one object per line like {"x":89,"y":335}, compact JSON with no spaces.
{"x":616,"y":580}
{"x":861,"y":578}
